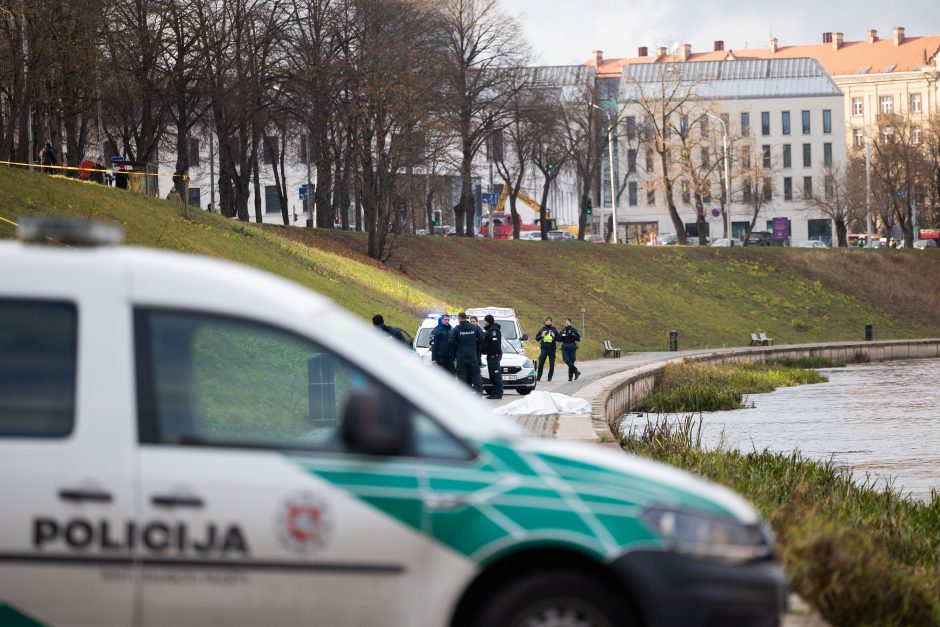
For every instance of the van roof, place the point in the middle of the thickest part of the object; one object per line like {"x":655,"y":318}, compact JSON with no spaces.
{"x":496,"y":312}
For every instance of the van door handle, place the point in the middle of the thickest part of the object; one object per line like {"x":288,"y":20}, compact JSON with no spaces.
{"x":176,"y":500}
{"x":78,"y":495}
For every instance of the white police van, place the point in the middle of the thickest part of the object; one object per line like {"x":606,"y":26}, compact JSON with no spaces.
{"x":189,"y":442}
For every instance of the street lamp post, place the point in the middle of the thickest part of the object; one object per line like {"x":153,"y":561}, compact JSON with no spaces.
{"x":867,"y":190}
{"x":613,"y":186}
{"x":727,"y":160}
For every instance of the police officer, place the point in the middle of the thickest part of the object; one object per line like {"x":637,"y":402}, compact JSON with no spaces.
{"x":466,"y":343}
{"x":569,"y":338}
{"x":493,"y":349}
{"x":547,"y":337}
{"x":441,"y":352}
{"x":379,"y":323}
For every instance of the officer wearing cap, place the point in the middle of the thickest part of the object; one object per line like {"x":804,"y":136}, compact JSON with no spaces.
{"x":493,"y":349}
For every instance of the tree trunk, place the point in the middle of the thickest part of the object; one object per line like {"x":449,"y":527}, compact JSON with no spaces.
{"x":256,"y":183}
{"x":543,"y":210}
{"x":666,"y":182}
{"x":841,"y":231}
{"x":582,"y":215}
{"x":700,"y":219}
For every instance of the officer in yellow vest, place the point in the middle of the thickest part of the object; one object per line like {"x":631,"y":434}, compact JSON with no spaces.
{"x":547,"y":337}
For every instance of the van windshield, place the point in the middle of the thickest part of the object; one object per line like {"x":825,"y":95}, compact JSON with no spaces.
{"x":424,"y":338}
{"x":507,"y":328}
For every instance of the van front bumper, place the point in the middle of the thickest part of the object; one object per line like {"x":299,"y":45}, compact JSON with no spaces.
{"x":672,"y":589}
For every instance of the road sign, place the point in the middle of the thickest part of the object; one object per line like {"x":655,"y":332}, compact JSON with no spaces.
{"x":715,"y":213}
{"x":303,"y":192}
{"x":489,"y":198}
{"x":117,"y":159}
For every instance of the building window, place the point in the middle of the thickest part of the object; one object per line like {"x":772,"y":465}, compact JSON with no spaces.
{"x":649,"y":160}
{"x":858,"y":137}
{"x":650,"y":194}
{"x":915,"y":135}
{"x":746,"y":157}
{"x":745,"y":123}
{"x":915,"y":103}
{"x":631,"y":161}
{"x":858,"y":108}
{"x":806,"y":128}
{"x":706,"y":161}
{"x":631,"y":193}
{"x":830,"y":187}
{"x":631,"y":127}
{"x":887,"y":135}
{"x":787,"y":156}
{"x":686,"y":192}
{"x":887,"y":104}
{"x":703,"y":125}
{"x":193,"y":152}
{"x":765,"y":158}
{"x":746,"y":191}
{"x":787,"y":188}
{"x":765,"y":123}
{"x":195,"y":197}
{"x":726,"y":120}
{"x":807,"y":155}
{"x":683,"y":125}
{"x":827,"y":154}
{"x":271,"y":146}
{"x":827,"y":121}
{"x":786,"y":122}
{"x":272,"y":200}
{"x":768,"y":190}
{"x":807,"y":187}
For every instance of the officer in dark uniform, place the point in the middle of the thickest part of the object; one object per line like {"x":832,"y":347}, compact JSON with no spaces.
{"x":493,"y":349}
{"x":569,"y":338}
{"x":379,"y":323}
{"x":547,"y":337}
{"x":441,"y":352}
{"x":466,"y":343}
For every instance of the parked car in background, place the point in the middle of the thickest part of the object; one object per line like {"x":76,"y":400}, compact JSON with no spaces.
{"x":561,"y":236}
{"x":669,"y":239}
{"x":595,"y":239}
{"x":531,"y":236}
{"x":759,"y":238}
{"x":877,"y":243}
{"x":725,"y":242}
{"x":812,"y":243}
{"x":923,"y":244}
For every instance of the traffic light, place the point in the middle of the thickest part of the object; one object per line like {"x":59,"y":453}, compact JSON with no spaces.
{"x":437,"y":218}
{"x":589,"y":206}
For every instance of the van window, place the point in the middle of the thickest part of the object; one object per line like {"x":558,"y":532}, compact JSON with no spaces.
{"x":424,"y":338}
{"x":508,"y":329}
{"x":38,"y":365}
{"x":217,"y":381}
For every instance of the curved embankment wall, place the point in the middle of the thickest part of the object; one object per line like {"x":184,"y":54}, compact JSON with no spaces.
{"x":619,"y":392}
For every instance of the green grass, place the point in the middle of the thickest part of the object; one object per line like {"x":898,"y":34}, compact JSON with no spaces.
{"x":632,"y":295}
{"x":689,"y":386}
{"x":860,"y":553}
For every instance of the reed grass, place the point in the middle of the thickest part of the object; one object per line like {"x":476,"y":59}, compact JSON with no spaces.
{"x":693,"y":387}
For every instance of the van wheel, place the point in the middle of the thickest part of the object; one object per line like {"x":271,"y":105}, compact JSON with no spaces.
{"x":555,"y":599}
{"x":524,"y":391}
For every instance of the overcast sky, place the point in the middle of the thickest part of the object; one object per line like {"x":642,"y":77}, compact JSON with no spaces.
{"x":566,"y":31}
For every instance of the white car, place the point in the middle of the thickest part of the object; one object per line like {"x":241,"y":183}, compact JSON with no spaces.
{"x":518,"y":371}
{"x":726,"y":243}
{"x":187,"y":441}
{"x":531,"y":236}
{"x":812,"y":243}
{"x":923,"y":244}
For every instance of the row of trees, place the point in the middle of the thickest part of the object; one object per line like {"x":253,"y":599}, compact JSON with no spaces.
{"x":378,"y":91}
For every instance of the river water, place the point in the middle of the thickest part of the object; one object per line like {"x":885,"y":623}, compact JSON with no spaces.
{"x":881,"y":419}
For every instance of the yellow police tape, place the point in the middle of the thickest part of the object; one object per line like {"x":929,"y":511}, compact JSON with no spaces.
{"x":81,"y":169}
{"x":9,"y":221}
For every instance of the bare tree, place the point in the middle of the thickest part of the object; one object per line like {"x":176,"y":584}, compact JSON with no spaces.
{"x":661,"y":94}
{"x":901,"y":169}
{"x":550,"y":153}
{"x":482,"y":47}
{"x":697,"y":161}
{"x":585,"y":129}
{"x":511,"y":150}
{"x":836,"y":196}
{"x":755,"y":172}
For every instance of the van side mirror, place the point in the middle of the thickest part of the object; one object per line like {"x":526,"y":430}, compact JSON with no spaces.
{"x":524,"y":337}
{"x":376,"y":422}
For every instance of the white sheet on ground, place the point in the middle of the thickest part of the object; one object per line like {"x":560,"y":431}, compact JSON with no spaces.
{"x":544,"y":404}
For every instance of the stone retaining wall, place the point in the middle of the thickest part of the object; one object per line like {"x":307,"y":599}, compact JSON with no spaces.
{"x":613,"y":395}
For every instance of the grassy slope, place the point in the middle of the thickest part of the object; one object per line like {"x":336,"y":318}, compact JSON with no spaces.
{"x":633,"y":295}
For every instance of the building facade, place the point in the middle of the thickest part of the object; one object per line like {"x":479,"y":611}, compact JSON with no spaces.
{"x":784,"y":120}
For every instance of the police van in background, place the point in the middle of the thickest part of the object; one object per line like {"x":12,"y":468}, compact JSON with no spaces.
{"x":185,"y":441}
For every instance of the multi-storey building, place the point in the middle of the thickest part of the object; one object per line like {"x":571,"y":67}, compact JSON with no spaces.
{"x":784,"y":122}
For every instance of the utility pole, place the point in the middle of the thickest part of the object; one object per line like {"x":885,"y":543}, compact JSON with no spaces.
{"x":724,"y":141}
{"x":29,"y":112}
{"x":309,"y":199}
{"x":212,"y":171}
{"x":868,"y":190}
{"x":613,"y":184}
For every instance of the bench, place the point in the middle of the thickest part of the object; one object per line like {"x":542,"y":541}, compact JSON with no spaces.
{"x":764,"y":340}
{"x":755,"y":341}
{"x":610,"y":350}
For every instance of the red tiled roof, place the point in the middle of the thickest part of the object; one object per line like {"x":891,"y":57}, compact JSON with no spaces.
{"x":850,"y":58}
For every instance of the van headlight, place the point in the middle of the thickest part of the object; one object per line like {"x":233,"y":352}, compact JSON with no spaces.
{"x":700,"y":535}
{"x":528,"y":364}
